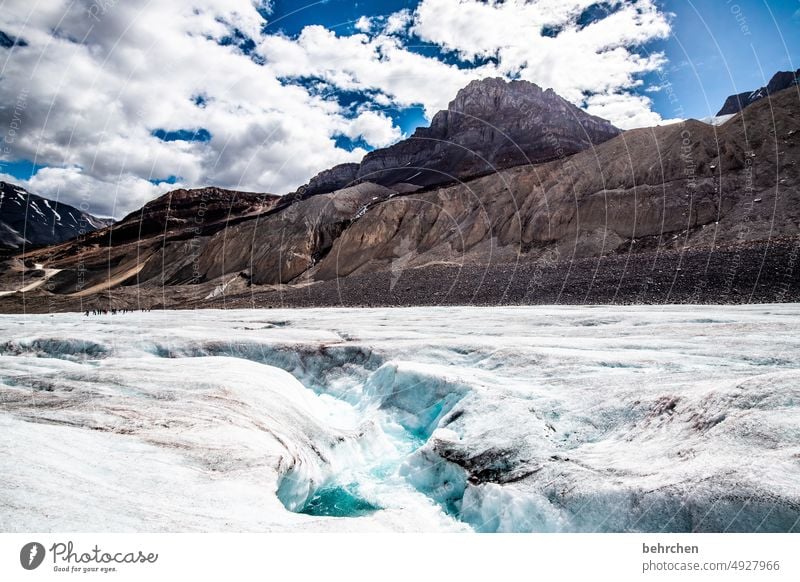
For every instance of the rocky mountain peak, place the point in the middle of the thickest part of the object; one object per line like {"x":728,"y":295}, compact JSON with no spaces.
{"x":513,"y":105}
{"x":334,"y":178}
{"x":491,"y":124}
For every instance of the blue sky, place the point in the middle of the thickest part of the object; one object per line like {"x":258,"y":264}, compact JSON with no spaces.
{"x":116,"y":103}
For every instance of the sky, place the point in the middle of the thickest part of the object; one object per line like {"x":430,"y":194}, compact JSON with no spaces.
{"x":106,"y":104}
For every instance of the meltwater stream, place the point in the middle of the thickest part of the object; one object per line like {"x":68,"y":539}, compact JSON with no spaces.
{"x":427,"y":419}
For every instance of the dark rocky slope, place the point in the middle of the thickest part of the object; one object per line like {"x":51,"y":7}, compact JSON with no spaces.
{"x":491,"y":124}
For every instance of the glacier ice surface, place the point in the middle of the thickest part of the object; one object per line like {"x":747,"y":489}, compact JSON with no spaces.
{"x":422,"y":419}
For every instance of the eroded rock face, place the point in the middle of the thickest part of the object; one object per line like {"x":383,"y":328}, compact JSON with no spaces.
{"x":281,"y":246}
{"x":156,"y":245}
{"x":490,"y":125}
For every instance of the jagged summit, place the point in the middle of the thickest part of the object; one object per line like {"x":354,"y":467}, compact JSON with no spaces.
{"x":491,"y":124}
{"x":483,"y":97}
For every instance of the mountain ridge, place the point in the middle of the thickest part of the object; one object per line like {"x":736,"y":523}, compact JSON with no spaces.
{"x":672,"y":193}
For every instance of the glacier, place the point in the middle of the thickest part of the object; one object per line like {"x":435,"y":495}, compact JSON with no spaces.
{"x":487,"y":419}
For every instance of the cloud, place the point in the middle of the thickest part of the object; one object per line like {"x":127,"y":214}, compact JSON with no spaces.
{"x":98,"y":79}
{"x":577,"y":57}
{"x":657,"y":88}
{"x":398,"y":22}
{"x":96,"y":87}
{"x":81,"y":190}
{"x":363,"y":24}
